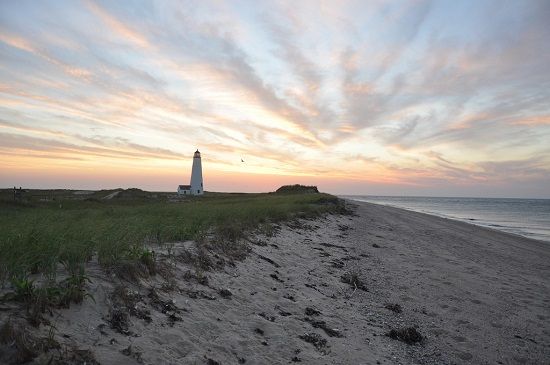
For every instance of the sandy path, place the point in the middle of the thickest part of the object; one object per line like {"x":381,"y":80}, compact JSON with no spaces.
{"x":478,"y":296}
{"x":111,"y":196}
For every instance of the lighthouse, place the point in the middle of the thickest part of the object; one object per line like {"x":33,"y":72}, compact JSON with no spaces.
{"x":196,"y":175}
{"x":196,"y":187}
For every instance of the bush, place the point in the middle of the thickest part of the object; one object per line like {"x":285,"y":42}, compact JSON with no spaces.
{"x":297,"y":189}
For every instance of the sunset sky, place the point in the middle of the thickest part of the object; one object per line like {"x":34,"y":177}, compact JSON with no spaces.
{"x":442,"y":98}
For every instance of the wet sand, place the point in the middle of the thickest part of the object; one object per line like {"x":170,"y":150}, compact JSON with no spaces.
{"x":475,"y":295}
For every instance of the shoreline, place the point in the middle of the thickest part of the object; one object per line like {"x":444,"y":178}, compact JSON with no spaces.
{"x":327,"y":290}
{"x":452,"y":219}
{"x":479,"y":222}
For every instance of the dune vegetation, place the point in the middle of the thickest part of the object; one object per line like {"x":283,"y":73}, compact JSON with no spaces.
{"x":44,"y":233}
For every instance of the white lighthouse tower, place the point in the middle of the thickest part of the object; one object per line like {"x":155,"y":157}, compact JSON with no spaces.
{"x":196,"y":187}
{"x":196,"y":175}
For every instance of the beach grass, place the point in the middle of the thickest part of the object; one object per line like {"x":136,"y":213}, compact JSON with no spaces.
{"x":47,"y":229}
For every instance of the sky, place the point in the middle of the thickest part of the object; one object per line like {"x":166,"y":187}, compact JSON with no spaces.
{"x":431,"y":98}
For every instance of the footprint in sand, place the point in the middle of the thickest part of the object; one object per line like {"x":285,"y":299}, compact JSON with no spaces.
{"x":520,"y":360}
{"x":439,"y":332}
{"x":464,"y":355}
{"x":183,"y":348}
{"x":459,"y":338}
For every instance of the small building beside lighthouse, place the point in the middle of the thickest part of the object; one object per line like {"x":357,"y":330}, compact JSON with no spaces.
{"x":184,"y":189}
{"x":196,"y":186}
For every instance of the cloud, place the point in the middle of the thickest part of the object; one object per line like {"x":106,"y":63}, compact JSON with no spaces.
{"x":31,"y":129}
{"x":122,"y":30}
{"x":517,"y":170}
{"x":307,"y":73}
{"x":97,"y":146}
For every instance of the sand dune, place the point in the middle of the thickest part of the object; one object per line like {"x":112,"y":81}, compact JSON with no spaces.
{"x":329,"y":291}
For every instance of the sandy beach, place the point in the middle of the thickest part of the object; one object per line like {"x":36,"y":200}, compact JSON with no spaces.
{"x":323,"y":291}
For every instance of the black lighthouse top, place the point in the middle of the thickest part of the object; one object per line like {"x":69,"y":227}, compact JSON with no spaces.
{"x":197,"y":154}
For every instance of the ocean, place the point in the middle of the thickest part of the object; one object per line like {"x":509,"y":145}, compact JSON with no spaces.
{"x":525,"y":217}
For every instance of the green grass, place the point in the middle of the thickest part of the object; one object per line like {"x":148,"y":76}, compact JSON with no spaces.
{"x":49,"y":228}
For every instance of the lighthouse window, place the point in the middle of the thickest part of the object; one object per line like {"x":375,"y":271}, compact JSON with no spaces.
{"x":198,"y":191}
